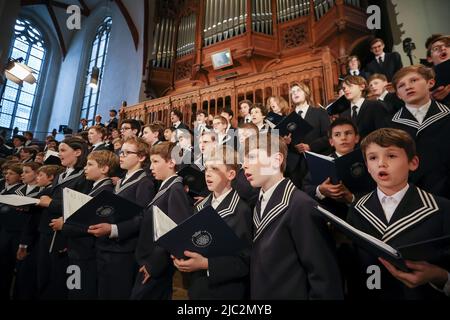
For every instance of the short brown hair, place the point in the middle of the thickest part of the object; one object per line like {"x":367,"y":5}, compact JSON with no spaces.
{"x":105,"y":158}
{"x":163,"y":149}
{"x":436,"y":38}
{"x":16,"y":167}
{"x":223,"y":120}
{"x":249,"y":126}
{"x":261,"y":107}
{"x":375,"y":40}
{"x":350,"y":58}
{"x":51,"y":170}
{"x":378,"y":76}
{"x":227,"y":155}
{"x":247,"y":102}
{"x":356,"y":80}
{"x":33,"y":165}
{"x":201,"y":111}
{"x":99,"y":129}
{"x":388,"y":137}
{"x":267,"y":142}
{"x":143,"y":149}
{"x":155,"y":127}
{"x":8,"y":163}
{"x":424,"y":72}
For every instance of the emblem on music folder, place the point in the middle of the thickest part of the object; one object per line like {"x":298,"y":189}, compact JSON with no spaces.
{"x":104,"y":211}
{"x":202,"y":239}
{"x":291,"y":126}
{"x":357,"y":169}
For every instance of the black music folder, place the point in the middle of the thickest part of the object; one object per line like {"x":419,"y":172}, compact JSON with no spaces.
{"x":350,"y":169}
{"x":295,"y":125}
{"x":338,"y":106}
{"x":52,"y":158}
{"x":194,"y":178}
{"x":442,"y":71}
{"x":273,"y":117}
{"x":429,"y":250}
{"x":106,"y":207}
{"x":204,"y":232}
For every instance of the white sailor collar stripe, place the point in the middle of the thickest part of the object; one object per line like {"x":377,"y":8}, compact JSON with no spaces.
{"x":428,"y":207}
{"x":278,"y":209}
{"x":443,"y":111}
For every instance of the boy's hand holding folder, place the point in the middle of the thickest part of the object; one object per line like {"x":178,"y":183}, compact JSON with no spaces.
{"x":349,"y":170}
{"x":429,"y":250}
{"x":98,"y":213}
{"x":204,"y":233}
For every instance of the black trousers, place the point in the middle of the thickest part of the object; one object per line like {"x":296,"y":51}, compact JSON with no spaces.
{"x":116,"y":274}
{"x":9,"y":243}
{"x":52,"y":270}
{"x":26,"y":277}
{"x":154,"y":289}
{"x":88,"y":282}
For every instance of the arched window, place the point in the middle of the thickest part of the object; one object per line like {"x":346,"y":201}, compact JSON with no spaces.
{"x":17,"y":101}
{"x":96,"y":59}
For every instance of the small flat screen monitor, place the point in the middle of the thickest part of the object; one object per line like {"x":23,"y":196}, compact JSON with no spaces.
{"x":221,"y":59}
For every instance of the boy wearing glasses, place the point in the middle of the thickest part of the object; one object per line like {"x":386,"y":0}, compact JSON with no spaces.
{"x":117,"y":242}
{"x":130,"y":128}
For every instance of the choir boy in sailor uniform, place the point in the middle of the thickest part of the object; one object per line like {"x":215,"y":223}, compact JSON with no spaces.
{"x":293,"y":254}
{"x":116,"y":243}
{"x":96,"y":137}
{"x":25,"y":282}
{"x":240,"y":183}
{"x":81,"y":246}
{"x":398,"y":213}
{"x":155,"y":271}
{"x":29,"y":240}
{"x":428,"y":123}
{"x":52,"y":250}
{"x":11,"y":224}
{"x":224,"y":277}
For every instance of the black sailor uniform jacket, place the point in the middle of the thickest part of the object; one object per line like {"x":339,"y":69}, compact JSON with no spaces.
{"x":419,"y":216}
{"x":433,"y":148}
{"x":227,"y":276}
{"x":293,"y":254}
